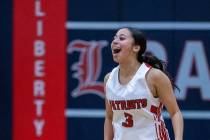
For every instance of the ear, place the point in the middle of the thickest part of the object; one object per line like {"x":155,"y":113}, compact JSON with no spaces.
{"x":136,"y":48}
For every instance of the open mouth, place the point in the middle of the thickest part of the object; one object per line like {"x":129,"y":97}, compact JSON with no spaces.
{"x":115,"y":51}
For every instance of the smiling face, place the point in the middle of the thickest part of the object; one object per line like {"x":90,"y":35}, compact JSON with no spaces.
{"x":123,"y":46}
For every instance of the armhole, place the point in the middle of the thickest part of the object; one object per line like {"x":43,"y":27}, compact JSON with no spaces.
{"x":147,"y":85}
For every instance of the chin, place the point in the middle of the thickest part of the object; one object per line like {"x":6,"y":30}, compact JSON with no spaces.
{"x":115,"y":60}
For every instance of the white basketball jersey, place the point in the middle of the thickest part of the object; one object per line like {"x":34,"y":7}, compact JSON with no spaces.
{"x":136,"y":113}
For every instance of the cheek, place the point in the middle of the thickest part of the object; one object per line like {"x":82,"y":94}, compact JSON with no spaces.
{"x":127,"y":47}
{"x":126,"y":51}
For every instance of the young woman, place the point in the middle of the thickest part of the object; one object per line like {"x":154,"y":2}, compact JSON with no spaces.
{"x":136,"y":91}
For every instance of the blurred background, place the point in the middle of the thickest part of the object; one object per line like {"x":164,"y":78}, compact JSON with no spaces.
{"x":55,"y":54}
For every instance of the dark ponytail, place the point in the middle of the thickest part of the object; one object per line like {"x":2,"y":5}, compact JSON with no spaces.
{"x":153,"y":61}
{"x":147,"y":57}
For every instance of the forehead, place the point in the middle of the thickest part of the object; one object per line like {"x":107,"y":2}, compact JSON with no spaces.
{"x":123,"y":31}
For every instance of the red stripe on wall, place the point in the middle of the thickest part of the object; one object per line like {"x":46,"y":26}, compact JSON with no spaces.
{"x":39,"y":70}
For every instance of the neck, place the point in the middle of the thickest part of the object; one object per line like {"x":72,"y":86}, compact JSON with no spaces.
{"x":129,"y":69}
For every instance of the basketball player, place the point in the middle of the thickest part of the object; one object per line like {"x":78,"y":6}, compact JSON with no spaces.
{"x":136,"y":91}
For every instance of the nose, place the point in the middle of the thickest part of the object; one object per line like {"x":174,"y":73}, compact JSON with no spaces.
{"x":115,"y":40}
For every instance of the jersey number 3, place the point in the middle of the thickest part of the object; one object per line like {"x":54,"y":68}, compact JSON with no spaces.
{"x":128,"y":120}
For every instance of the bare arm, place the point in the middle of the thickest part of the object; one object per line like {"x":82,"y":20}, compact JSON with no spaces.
{"x":108,"y":129}
{"x":164,"y":91}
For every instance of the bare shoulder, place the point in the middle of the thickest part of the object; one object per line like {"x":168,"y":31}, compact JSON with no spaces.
{"x":157,"y":81}
{"x":157,"y":75}
{"x":105,"y":81}
{"x":106,"y":77}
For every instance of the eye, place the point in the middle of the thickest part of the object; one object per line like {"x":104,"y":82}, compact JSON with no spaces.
{"x":122,"y":38}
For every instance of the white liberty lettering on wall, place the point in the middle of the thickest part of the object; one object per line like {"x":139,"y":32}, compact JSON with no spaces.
{"x":39,"y":85}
